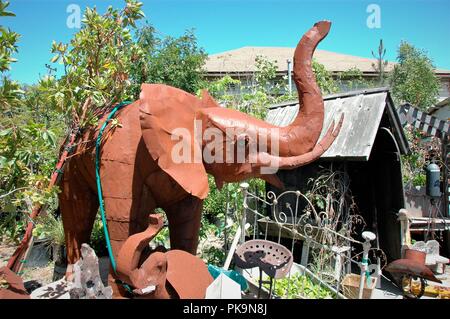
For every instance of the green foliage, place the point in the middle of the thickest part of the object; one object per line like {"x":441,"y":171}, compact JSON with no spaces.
{"x":96,"y":64}
{"x":162,"y":238}
{"x":8,"y":40}
{"x":97,"y":240}
{"x":213,"y":255}
{"x":423,"y":151}
{"x":215,"y":203}
{"x":220,"y":88}
{"x":29,"y":134}
{"x":174,"y":61}
{"x":10,"y":91}
{"x":352,"y":79}
{"x":324,"y":78}
{"x":300,"y":286}
{"x":413,"y":79}
{"x":266,"y":72}
{"x":50,"y":227}
{"x":254,"y":97}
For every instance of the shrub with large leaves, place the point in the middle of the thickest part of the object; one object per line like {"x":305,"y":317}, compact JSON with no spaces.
{"x":96,"y":64}
{"x":27,"y":142}
{"x":9,"y":90}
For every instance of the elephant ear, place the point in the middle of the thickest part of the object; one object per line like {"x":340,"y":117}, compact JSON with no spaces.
{"x":167,"y":117}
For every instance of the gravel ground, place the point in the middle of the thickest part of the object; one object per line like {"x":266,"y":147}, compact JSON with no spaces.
{"x":6,"y":250}
{"x":39,"y":275}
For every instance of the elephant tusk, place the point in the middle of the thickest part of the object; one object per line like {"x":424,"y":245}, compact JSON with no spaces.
{"x":144,"y":291}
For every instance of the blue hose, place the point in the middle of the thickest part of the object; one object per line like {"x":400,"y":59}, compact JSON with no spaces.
{"x":99,"y":185}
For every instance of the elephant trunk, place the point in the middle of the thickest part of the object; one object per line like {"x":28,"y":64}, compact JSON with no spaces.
{"x":302,"y":134}
{"x":291,"y":162}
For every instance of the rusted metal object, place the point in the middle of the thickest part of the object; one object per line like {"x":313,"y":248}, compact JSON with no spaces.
{"x":162,"y":275}
{"x":409,"y":268}
{"x":149,"y":279}
{"x":412,"y":268}
{"x":11,"y":285}
{"x":271,"y":258}
{"x":274,"y":259}
{"x":139,"y":174}
{"x":187,"y":274}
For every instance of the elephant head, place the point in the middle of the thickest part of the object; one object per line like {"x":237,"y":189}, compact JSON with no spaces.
{"x":148,"y":278}
{"x":190,"y":137}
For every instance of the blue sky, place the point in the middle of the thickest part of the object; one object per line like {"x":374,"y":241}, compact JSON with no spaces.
{"x":222,"y":25}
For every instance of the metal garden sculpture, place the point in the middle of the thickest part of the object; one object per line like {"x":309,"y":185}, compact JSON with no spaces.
{"x":140,"y":170}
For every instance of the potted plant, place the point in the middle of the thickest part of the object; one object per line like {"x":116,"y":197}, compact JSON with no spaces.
{"x":50,"y":229}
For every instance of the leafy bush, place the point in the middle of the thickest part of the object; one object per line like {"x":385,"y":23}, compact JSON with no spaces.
{"x":51,"y":228}
{"x":97,"y":240}
{"x":29,"y":134}
{"x":300,"y":286}
{"x":96,"y":63}
{"x":174,"y":61}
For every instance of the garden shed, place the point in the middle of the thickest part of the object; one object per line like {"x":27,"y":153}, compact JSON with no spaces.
{"x":367,"y":150}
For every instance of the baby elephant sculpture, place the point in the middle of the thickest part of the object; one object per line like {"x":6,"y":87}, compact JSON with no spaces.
{"x":166,"y":144}
{"x":162,"y":275}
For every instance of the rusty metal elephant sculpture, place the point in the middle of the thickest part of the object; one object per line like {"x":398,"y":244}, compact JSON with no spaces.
{"x":140,"y":173}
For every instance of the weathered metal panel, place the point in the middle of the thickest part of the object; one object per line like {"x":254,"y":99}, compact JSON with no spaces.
{"x":363,"y":113}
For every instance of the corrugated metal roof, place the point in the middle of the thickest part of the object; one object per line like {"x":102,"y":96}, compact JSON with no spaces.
{"x":445,"y":102}
{"x":363,"y":111}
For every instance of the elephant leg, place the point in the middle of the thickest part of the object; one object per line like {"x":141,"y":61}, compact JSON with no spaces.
{"x":78,"y":206}
{"x":184,"y":223}
{"x":128,"y":203}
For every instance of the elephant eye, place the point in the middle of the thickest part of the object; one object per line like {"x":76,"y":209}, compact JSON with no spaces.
{"x":242,"y":140}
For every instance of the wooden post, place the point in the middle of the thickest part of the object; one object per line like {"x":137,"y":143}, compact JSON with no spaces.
{"x":405,"y":235}
{"x":243,"y":221}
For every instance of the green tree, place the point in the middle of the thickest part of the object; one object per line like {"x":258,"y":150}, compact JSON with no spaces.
{"x":174,"y":61}
{"x":27,"y":143}
{"x":413,"y":80}
{"x":10,"y":91}
{"x":96,"y":64}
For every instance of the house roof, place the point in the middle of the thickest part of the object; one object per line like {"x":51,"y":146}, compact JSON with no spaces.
{"x":445,"y":102}
{"x":363,"y":111}
{"x":242,"y":60}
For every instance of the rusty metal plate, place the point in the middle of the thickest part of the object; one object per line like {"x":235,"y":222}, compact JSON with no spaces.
{"x":11,"y":285}
{"x":187,"y":274}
